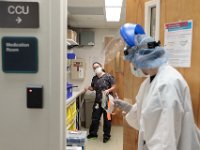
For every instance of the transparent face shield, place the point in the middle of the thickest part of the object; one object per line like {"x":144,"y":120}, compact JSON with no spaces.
{"x":135,"y":49}
{"x":116,"y":48}
{"x":113,"y":48}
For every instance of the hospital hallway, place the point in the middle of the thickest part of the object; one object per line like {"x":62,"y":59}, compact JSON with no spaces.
{"x":115,"y":143}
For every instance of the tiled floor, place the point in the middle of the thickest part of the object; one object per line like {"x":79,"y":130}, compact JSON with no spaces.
{"x":116,"y":142}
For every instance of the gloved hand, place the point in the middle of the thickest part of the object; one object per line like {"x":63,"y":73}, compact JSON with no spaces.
{"x":106,"y":92}
{"x":124,"y":106}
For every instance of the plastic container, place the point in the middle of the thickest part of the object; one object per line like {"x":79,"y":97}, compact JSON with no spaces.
{"x":73,"y":148}
{"x":71,"y":56}
{"x":69,"y":90}
{"x":76,"y":138}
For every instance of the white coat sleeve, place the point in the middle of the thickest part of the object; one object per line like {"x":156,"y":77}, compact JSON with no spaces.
{"x":163,"y":124}
{"x":132,"y":118}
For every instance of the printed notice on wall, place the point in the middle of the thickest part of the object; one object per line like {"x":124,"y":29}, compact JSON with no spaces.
{"x":178,"y":43}
{"x":81,"y":73}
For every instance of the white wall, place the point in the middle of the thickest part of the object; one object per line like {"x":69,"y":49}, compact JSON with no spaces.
{"x":36,"y":129}
{"x":93,"y":53}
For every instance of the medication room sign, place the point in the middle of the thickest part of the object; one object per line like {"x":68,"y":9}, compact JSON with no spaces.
{"x":19,"y":14}
{"x":19,"y":54}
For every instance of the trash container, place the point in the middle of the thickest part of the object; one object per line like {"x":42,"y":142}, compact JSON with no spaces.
{"x":89,"y":98}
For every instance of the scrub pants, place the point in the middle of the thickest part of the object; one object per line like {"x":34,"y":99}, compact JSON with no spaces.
{"x":96,"y":115}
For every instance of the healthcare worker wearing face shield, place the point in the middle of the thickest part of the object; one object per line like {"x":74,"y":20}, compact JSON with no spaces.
{"x":163,"y":111}
{"x":101,"y":82}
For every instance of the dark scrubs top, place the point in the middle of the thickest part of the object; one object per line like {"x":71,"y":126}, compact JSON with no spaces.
{"x":101,"y":84}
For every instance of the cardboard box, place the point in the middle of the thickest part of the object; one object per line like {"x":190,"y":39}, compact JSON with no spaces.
{"x":71,"y":35}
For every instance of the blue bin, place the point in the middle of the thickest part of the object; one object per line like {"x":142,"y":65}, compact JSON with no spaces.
{"x":71,"y":56}
{"x":69,"y":90}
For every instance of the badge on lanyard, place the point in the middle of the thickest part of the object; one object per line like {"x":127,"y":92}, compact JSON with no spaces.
{"x":97,"y":106}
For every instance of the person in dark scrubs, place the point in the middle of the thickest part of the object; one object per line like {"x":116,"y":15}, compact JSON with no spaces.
{"x":101,"y":82}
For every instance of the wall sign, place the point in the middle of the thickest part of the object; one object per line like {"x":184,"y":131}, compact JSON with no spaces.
{"x":178,"y":42}
{"x":20,"y":54}
{"x":19,"y":14}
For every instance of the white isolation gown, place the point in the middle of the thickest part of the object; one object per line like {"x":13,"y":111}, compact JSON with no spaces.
{"x":163,"y":113}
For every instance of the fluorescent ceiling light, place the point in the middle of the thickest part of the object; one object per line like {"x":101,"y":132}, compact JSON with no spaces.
{"x":113,"y":14}
{"x":113,"y":3}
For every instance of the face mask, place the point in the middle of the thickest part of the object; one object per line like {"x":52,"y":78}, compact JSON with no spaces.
{"x":98,"y":70}
{"x":137,"y":71}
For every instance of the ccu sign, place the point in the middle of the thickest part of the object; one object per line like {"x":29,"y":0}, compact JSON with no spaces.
{"x":19,"y":14}
{"x":18,"y":10}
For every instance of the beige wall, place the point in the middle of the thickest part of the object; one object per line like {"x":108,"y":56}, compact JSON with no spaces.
{"x":92,"y":54}
{"x":171,"y":11}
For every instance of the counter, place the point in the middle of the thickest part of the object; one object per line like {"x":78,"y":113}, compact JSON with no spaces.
{"x":75,"y":94}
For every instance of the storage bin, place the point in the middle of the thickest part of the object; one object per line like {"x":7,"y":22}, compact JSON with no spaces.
{"x":89,"y":99}
{"x":76,"y":138}
{"x":73,"y":148}
{"x":71,"y":56}
{"x":70,"y":118}
{"x":73,"y":107}
{"x":69,"y":90}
